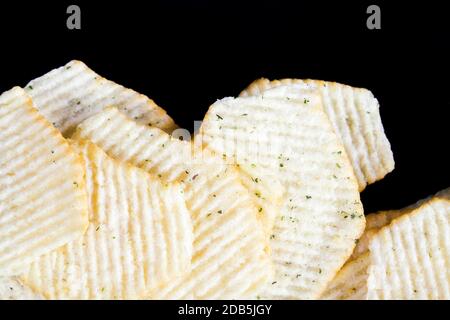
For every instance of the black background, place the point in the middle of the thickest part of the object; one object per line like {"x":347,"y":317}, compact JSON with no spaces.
{"x":185,"y":55}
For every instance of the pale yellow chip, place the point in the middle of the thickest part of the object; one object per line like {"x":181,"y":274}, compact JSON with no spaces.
{"x":68,"y":95}
{"x":139,"y":236}
{"x":355,"y":116}
{"x":230,"y":258}
{"x":375,"y":221}
{"x":12,"y":289}
{"x":43,"y":200}
{"x":321,"y":213}
{"x":266,"y":191}
{"x":351,"y":281}
{"x":410,"y":258}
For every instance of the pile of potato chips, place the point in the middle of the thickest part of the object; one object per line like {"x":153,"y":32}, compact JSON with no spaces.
{"x":102,"y":196}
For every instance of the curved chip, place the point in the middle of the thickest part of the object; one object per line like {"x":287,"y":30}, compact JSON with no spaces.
{"x":321,"y":213}
{"x":375,"y":221}
{"x":230,"y":259}
{"x":355,"y":116}
{"x":410,"y":258}
{"x":68,"y":95}
{"x":351,"y":281}
{"x":43,"y":201}
{"x":139,"y":237}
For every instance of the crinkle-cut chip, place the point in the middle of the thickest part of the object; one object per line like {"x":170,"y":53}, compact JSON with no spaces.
{"x":321,"y":213}
{"x":12,"y":289}
{"x":338,"y":289}
{"x":351,"y":281}
{"x":139,"y":236}
{"x":230,"y":259}
{"x":68,"y":95}
{"x":355,"y":116}
{"x":410,"y":258}
{"x":375,"y":221}
{"x":43,"y":200}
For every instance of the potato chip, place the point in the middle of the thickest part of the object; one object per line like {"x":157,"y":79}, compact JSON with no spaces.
{"x":43,"y":200}
{"x":12,"y":289}
{"x":230,"y":258}
{"x":267,"y":193}
{"x":139,"y":236}
{"x":375,"y":221}
{"x":410,"y":258}
{"x":344,"y":285}
{"x":321,"y":213}
{"x":351,"y":281}
{"x":355,"y":116}
{"x":68,"y":95}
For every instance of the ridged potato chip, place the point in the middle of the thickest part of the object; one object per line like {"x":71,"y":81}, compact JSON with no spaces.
{"x":230,"y":259}
{"x":68,"y":95}
{"x":355,"y":116}
{"x":139,"y":236}
{"x":321,"y":213}
{"x":375,"y":221}
{"x":410,"y":258}
{"x":351,"y":281}
{"x":43,"y":200}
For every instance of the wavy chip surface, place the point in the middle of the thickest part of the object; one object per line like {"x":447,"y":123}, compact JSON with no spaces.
{"x":139,"y":236}
{"x":230,"y":259}
{"x":351,"y":281}
{"x":68,"y":95}
{"x":355,"y":116}
{"x":321,"y":213}
{"x":411,"y":256}
{"x":43,"y":201}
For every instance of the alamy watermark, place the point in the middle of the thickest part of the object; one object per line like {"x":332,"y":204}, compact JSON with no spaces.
{"x":74,"y":19}
{"x":374,"y":19}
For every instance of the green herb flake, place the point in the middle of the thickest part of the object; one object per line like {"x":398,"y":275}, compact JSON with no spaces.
{"x":308,"y":197}
{"x":219,"y":117}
